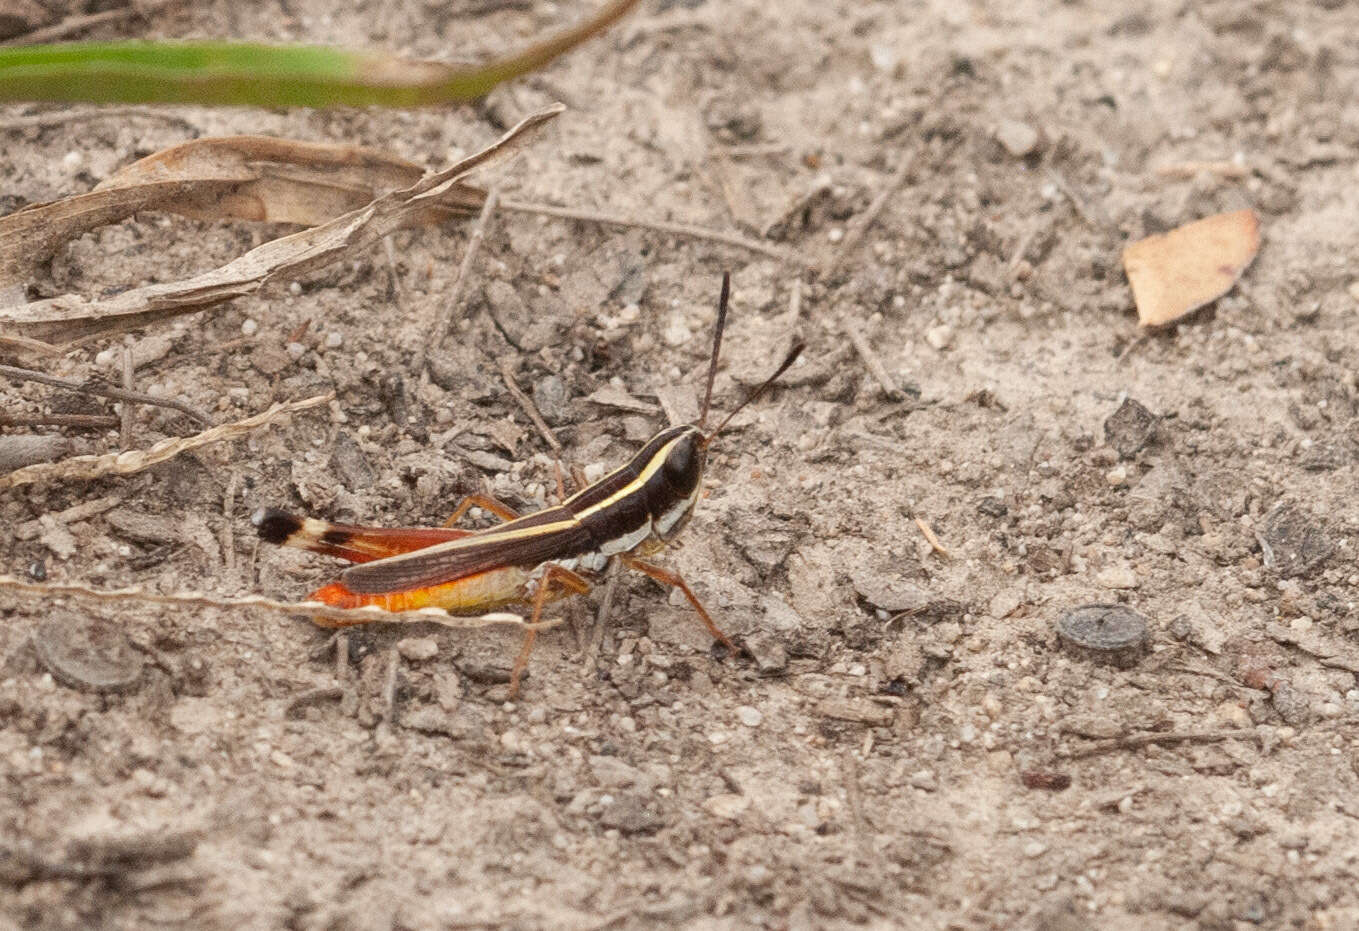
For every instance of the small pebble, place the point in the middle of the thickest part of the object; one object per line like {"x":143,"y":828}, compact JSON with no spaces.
{"x":750,"y":717}
{"x":294,"y":288}
{"x":940,"y":337}
{"x":418,"y":649}
{"x":835,"y":234}
{"x":72,"y":160}
{"x":296,"y":350}
{"x":1130,"y":428}
{"x":676,"y":333}
{"x":1105,"y":633}
{"x":1019,"y":139}
{"x":1035,"y":848}
{"x":334,"y":339}
{"x":884,"y":57}
{"x":249,"y":328}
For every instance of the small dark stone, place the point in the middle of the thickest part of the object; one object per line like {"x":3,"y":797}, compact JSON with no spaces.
{"x":37,"y":570}
{"x":1129,"y":428}
{"x":1291,"y":704}
{"x":733,"y":118}
{"x":992,"y":506}
{"x":350,"y":464}
{"x":632,"y":813}
{"x":1112,"y":634}
{"x":1294,"y":543}
{"x":552,"y":399}
{"x":86,"y":653}
{"x":1049,"y":779}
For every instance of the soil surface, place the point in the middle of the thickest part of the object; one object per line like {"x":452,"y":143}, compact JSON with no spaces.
{"x":909,"y":741}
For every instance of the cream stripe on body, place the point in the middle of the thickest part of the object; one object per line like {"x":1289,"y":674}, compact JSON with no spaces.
{"x":651,"y":469}
{"x":498,"y":535}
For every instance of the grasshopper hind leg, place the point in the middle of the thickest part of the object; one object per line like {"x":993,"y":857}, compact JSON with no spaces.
{"x":486,"y":503}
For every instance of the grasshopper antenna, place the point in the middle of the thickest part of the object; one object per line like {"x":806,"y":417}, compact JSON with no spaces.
{"x":717,"y":344}
{"x":758,"y":392}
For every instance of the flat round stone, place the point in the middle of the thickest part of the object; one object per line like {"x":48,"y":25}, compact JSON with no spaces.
{"x":1105,"y":633}
{"x":87,"y":653}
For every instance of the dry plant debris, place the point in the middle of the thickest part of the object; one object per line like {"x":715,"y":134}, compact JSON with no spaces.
{"x":1175,"y":273}
{"x":231,"y":177}
{"x":71,"y":319}
{"x":346,"y":616}
{"x":135,"y":460}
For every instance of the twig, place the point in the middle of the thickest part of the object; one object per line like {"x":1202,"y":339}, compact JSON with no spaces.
{"x":856,"y":233}
{"x":1132,"y":741}
{"x":312,"y":697}
{"x":602,"y":617}
{"x":849,"y":767}
{"x":752,"y":150}
{"x":1087,"y":213}
{"x":389,"y":687}
{"x":135,"y":460}
{"x":103,"y":391}
{"x":1226,"y":168}
{"x":1132,"y":345}
{"x":228,"y":535}
{"x":73,"y":24}
{"x":368,"y":615}
{"x":125,"y":413}
{"x":77,"y":421}
{"x":1021,"y":247}
{"x":62,"y":117}
{"x":529,"y":407}
{"x":30,"y":529}
{"x":444,"y":322}
{"x":25,"y":344}
{"x":871,"y":360}
{"x":341,"y":641}
{"x":795,"y":302}
{"x":660,"y":226}
{"x":398,"y":286}
{"x":928,"y":532}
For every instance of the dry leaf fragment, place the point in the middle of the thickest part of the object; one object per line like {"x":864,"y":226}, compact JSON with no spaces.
{"x":70,"y":318}
{"x":1177,"y":272}
{"x":281,"y":180}
{"x":232,"y":177}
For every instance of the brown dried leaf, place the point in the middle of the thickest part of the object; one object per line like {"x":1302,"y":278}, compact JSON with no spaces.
{"x":282,"y":180}
{"x":70,"y":319}
{"x":1177,"y":272}
{"x":236,"y":177}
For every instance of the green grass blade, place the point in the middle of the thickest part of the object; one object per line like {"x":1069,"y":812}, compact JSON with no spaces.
{"x":253,"y":74}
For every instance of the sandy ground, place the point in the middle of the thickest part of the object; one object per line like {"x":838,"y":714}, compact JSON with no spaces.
{"x":910,"y":744}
